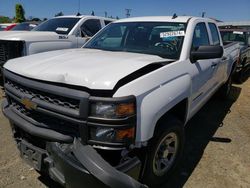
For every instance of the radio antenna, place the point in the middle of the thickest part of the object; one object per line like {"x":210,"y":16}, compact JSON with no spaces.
{"x":128,"y":12}
{"x":174,"y":16}
{"x":203,"y":14}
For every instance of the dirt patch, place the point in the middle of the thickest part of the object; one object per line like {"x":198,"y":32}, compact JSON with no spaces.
{"x":216,"y":155}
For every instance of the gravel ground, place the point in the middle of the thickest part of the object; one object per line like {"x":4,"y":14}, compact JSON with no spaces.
{"x":216,"y":155}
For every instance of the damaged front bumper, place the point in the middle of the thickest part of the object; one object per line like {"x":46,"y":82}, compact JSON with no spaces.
{"x":84,"y":166}
{"x":73,"y":164}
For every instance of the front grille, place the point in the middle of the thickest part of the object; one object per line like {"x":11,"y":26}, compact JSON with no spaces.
{"x":46,"y":97}
{"x":10,"y":50}
{"x":53,"y":107}
{"x":45,"y":121}
{"x":3,"y":52}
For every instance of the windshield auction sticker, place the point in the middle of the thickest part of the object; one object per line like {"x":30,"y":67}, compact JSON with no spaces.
{"x":32,"y":25}
{"x":64,"y":29}
{"x":172,"y":34}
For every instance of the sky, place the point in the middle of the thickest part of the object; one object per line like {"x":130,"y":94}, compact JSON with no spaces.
{"x":225,"y":10}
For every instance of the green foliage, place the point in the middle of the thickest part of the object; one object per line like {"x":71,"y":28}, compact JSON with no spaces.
{"x":36,"y":19}
{"x":59,"y":14}
{"x":19,"y":14}
{"x":5,"y":19}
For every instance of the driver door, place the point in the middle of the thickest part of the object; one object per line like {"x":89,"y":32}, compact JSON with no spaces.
{"x":203,"y":70}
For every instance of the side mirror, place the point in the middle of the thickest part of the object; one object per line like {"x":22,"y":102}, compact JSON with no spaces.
{"x":88,"y":38}
{"x":206,"y":52}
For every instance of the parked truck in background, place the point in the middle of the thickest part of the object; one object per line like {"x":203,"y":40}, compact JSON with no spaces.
{"x":57,"y":33}
{"x":113,"y":113}
{"x":234,"y":34}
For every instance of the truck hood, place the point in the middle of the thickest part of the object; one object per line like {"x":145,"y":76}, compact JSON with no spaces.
{"x":90,"y":68}
{"x":28,"y":36}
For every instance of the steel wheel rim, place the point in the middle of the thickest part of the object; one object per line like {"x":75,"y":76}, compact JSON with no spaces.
{"x":165,"y":154}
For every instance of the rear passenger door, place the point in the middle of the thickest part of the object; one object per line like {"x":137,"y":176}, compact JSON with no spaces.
{"x":219,"y":65}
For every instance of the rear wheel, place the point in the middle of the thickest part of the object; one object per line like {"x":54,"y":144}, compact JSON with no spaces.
{"x":242,"y":75}
{"x":164,"y":152}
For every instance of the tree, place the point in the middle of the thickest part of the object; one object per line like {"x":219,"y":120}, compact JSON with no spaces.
{"x":19,"y":14}
{"x":36,"y":19}
{"x":92,"y":13}
{"x":4,"y":19}
{"x":45,"y":19}
{"x":59,"y":14}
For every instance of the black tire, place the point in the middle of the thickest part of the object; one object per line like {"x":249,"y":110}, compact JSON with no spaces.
{"x":167,"y":127}
{"x":242,"y":75}
{"x":225,"y":89}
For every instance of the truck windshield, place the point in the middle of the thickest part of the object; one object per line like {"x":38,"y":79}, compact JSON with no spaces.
{"x":157,"y":38}
{"x":58,"y":25}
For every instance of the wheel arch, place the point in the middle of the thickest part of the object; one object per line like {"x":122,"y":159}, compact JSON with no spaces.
{"x":179,"y":111}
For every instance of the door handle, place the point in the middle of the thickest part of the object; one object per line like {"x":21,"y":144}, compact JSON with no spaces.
{"x":214,"y":65}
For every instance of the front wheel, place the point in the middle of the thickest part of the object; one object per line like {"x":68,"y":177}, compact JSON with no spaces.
{"x":164,"y":152}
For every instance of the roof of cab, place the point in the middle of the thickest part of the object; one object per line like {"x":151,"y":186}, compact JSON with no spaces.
{"x":84,"y":16}
{"x":180,"y":19}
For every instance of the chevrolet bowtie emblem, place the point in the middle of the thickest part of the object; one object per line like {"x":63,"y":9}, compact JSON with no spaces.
{"x":30,"y":105}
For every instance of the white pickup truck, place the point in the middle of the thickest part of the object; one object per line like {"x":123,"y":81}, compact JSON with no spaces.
{"x":112,"y":114}
{"x":61,"y":32}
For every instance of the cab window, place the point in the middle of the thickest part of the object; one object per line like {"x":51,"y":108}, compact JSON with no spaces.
{"x":200,"y":37}
{"x":106,"y":22}
{"x":90,"y":27}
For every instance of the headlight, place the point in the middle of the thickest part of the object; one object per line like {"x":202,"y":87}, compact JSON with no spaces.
{"x":112,"y":135}
{"x":112,"y":121}
{"x":112,"y":111}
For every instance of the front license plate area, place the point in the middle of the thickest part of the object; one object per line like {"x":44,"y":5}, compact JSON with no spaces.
{"x":32,"y":155}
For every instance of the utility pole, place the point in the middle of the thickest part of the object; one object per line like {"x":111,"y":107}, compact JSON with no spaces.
{"x":106,"y":14}
{"x":128,"y":11}
{"x":79,"y":5}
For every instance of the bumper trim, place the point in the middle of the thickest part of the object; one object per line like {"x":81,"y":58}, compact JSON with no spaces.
{"x":101,"y":170}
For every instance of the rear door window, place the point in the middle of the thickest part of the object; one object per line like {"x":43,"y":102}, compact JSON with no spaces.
{"x":215,"y":34}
